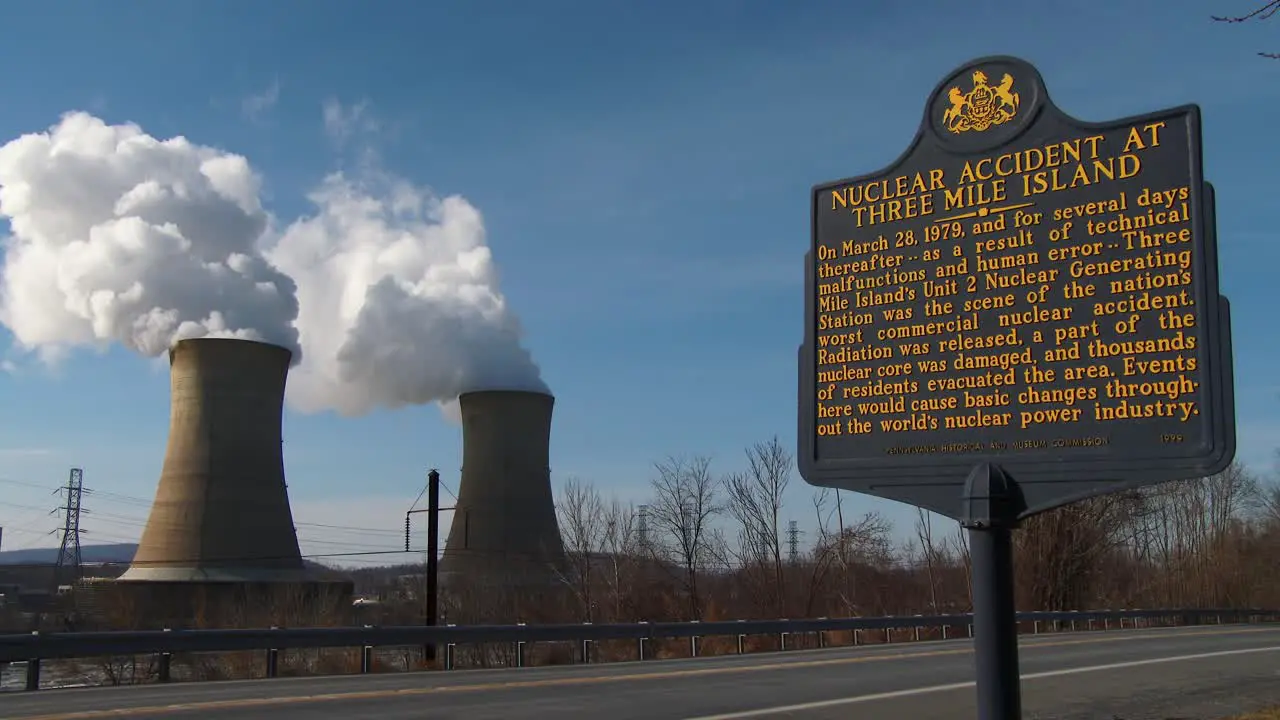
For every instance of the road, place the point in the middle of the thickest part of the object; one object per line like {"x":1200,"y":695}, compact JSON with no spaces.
{"x":1182,"y":673}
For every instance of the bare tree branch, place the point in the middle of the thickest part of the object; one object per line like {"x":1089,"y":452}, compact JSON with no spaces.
{"x":1264,"y":11}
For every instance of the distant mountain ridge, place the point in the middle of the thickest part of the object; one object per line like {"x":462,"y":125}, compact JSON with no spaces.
{"x":112,"y":553}
{"x":117,"y":553}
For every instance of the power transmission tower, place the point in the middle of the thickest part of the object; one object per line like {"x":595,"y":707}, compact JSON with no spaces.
{"x":793,"y":542}
{"x":642,"y":527}
{"x":69,"y":554}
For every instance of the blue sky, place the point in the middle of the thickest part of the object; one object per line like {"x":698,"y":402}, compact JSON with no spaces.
{"x":643,"y":170}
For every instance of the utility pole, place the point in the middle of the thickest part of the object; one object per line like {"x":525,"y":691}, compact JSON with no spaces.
{"x":431,"y":613}
{"x":433,"y":556}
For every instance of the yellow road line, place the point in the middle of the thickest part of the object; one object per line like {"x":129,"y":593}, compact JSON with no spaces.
{"x":239,"y":703}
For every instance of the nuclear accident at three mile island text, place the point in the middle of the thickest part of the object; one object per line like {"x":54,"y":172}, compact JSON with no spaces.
{"x":1029,"y":299}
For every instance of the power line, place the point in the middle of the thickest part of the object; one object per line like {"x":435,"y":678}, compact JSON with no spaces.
{"x":133,"y":500}
{"x":363,"y":542}
{"x":162,"y":563}
{"x":20,"y":483}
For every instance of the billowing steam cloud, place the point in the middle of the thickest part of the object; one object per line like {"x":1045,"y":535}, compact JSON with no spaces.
{"x":399,"y":300}
{"x":391,"y":292}
{"x":118,"y":236}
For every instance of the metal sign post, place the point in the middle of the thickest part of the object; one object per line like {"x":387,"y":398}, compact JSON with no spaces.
{"x":991,"y":507}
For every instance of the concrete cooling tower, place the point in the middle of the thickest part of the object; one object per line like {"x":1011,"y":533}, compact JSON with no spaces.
{"x":504,"y":528}
{"x":221,"y":512}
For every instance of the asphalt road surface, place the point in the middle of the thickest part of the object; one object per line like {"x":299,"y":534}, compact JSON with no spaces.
{"x":1185,"y":673}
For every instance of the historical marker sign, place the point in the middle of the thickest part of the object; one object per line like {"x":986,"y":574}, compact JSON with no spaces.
{"x":1019,"y":288}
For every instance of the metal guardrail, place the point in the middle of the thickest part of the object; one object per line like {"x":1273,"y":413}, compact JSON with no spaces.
{"x":34,"y":647}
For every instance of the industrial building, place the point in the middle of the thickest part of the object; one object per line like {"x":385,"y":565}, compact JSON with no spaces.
{"x":221,"y":529}
{"x":221,"y":510}
{"x":221,"y":521}
{"x":504,"y":530}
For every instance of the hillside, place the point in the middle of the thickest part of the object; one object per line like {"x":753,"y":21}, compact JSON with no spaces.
{"x":113,"y":553}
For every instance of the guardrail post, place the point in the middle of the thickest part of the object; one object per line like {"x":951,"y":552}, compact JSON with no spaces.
{"x":970,"y":629}
{"x":1035,"y":627}
{"x":693,"y":646}
{"x":273,"y":659}
{"x":366,"y":659}
{"x":586,"y":648}
{"x":33,"y":669}
{"x":520,"y":649}
{"x":640,"y":642}
{"x":857,"y":637}
{"x":783,"y":641}
{"x":888,"y":635}
{"x":450,"y":651}
{"x":166,"y":660}
{"x":742,"y":643}
{"x":916,"y":633}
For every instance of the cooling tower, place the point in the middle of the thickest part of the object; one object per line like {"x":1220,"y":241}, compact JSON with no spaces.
{"x":221,"y":512}
{"x":504,"y":528}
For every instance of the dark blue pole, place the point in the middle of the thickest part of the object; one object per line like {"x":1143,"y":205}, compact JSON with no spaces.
{"x":992,"y":504}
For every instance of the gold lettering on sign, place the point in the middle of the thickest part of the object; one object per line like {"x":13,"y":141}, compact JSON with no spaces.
{"x":1033,"y":299}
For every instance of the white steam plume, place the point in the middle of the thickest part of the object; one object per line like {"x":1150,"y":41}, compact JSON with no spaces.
{"x":387,"y":295}
{"x":118,"y":236}
{"x":399,"y":298}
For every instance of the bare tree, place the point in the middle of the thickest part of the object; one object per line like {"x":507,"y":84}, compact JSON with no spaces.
{"x":930,"y":553}
{"x":754,"y":498}
{"x":958,"y":546}
{"x":1188,"y":534}
{"x":823,"y":556}
{"x":864,"y":542}
{"x":1059,"y":552}
{"x":583,"y":525}
{"x":622,"y":548}
{"x":1265,"y":11}
{"x":1271,"y":503}
{"x":683,"y":505}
